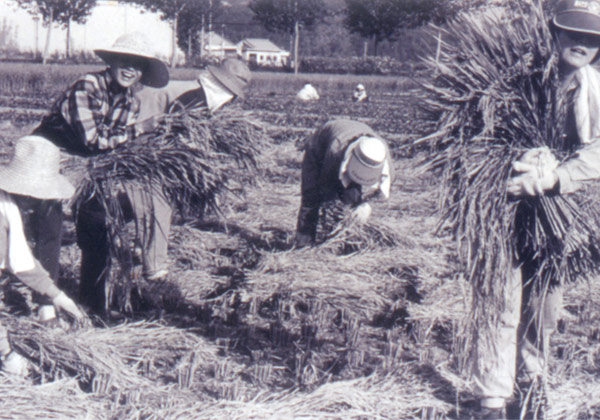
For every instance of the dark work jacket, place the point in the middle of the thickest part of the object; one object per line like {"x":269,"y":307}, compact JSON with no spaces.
{"x":323,"y":157}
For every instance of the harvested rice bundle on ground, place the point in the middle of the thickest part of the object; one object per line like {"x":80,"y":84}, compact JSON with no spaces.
{"x":192,"y":158}
{"x":400,"y":394}
{"x":339,"y":233}
{"x":496,"y":96}
{"x":122,"y":357}
{"x":62,"y":399}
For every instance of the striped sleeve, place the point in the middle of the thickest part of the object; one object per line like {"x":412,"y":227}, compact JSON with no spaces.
{"x":99,"y":124}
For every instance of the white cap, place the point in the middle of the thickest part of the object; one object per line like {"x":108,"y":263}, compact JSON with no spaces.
{"x":366,"y":163}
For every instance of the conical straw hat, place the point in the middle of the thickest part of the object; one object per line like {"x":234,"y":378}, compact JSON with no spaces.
{"x":135,"y":44}
{"x":34,"y":171}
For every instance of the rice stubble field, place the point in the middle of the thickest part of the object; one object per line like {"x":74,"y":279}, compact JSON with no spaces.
{"x":247,"y":327}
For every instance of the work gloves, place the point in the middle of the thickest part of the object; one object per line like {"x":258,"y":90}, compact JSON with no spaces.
{"x":534,"y":173}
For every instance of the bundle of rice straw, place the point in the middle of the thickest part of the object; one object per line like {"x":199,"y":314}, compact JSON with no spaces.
{"x":496,"y":96}
{"x":123,"y":357}
{"x":339,"y":233}
{"x":192,"y":157}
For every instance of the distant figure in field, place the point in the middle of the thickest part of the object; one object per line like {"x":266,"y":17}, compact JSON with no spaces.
{"x":360,"y":94}
{"x":307,"y":93}
{"x":344,"y":160}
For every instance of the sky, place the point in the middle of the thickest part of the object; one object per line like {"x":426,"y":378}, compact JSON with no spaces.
{"x":108,"y":20}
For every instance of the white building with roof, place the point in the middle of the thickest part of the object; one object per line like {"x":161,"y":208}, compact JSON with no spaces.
{"x":263,"y":52}
{"x":215,"y":45}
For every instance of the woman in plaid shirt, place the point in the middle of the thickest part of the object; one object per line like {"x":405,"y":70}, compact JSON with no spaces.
{"x":97,"y":113}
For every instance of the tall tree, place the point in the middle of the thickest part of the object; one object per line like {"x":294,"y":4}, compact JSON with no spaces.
{"x":198,"y":16}
{"x":173,"y":11}
{"x":381,"y":20}
{"x":62,"y":12}
{"x":288,"y":16}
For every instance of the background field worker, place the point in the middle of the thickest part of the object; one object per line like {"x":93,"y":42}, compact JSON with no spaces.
{"x":531,"y":315}
{"x":343,"y":160}
{"x":97,"y":113}
{"x":308,"y":93}
{"x":360,"y":93}
{"x":32,"y":173}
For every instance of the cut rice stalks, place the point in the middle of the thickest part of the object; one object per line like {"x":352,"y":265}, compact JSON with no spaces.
{"x":191,"y":160}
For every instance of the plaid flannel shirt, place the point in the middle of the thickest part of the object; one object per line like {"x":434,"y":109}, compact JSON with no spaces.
{"x":94,"y":114}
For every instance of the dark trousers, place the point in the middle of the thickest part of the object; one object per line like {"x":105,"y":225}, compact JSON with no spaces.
{"x":151,"y":213}
{"x":43,"y":221}
{"x":92,"y":238}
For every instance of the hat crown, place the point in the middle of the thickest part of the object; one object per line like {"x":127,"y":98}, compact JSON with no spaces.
{"x":36,"y":156}
{"x":592,"y":6}
{"x":34,"y":170}
{"x":237,"y":69}
{"x":234,"y":74}
{"x":136,"y":42}
{"x":578,"y":16}
{"x":370,"y":151}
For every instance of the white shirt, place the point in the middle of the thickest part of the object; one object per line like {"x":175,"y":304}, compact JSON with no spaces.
{"x":216,"y":94}
{"x":15,"y":254}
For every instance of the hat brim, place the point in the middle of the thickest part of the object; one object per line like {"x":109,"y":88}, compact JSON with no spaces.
{"x":578,"y":21}
{"x":155,"y":74}
{"x":231,"y":83}
{"x":57,"y":188}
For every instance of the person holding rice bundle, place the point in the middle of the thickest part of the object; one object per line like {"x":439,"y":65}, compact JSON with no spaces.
{"x":32,"y":173}
{"x":531,"y":315}
{"x":98,"y":113}
{"x":214,"y":88}
{"x":343,"y":160}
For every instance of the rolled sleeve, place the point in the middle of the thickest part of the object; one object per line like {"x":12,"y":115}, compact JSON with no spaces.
{"x":582,"y":166}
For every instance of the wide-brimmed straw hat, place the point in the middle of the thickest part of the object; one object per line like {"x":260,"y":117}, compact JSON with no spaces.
{"x":366,"y":162}
{"x":234,"y":74}
{"x":578,"y":15}
{"x":34,"y":171}
{"x":135,"y":44}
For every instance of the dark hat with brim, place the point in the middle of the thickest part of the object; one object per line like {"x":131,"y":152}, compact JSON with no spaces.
{"x":234,"y":74}
{"x":578,"y":16}
{"x":155,"y":72}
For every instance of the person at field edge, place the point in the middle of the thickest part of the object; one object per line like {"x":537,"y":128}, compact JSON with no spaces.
{"x":531,"y":315}
{"x":32,"y":173}
{"x":345,"y":160}
{"x":360,"y":93}
{"x":95,"y":114}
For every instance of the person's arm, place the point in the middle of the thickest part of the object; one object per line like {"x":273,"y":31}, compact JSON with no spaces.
{"x":584,"y":165}
{"x":21,"y":263}
{"x":99,"y":125}
{"x":39,"y":280}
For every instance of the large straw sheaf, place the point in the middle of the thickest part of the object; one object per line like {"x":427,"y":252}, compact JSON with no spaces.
{"x":194,"y":158}
{"x":496,"y":95}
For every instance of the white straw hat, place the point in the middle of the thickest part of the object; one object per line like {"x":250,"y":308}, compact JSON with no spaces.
{"x":136,"y":44}
{"x":34,"y":171}
{"x":366,"y":162}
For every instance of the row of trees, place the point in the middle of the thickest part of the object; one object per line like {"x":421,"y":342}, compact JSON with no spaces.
{"x":373,"y":20}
